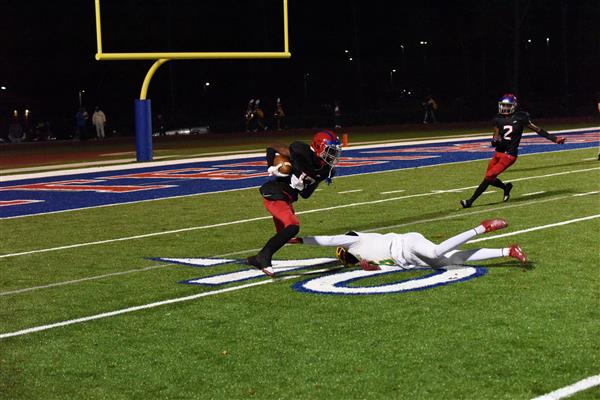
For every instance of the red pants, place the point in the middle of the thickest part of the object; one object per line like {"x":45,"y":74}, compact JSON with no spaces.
{"x":498,"y":164}
{"x":283,"y":213}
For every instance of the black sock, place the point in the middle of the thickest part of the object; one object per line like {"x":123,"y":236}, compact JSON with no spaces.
{"x":277,"y":242}
{"x":498,"y":183}
{"x":480,"y":189}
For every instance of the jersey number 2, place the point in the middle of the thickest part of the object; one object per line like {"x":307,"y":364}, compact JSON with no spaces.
{"x":507,"y":131}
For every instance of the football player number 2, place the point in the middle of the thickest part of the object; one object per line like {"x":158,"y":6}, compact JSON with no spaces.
{"x":507,"y":131}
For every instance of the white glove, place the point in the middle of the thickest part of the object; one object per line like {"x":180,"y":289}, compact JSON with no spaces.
{"x":274,"y":171}
{"x":297,"y":182}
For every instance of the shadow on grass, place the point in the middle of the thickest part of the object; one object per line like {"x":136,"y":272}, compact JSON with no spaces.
{"x":528,"y":266}
{"x":545,"y":167}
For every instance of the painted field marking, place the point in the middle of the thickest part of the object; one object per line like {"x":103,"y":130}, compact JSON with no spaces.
{"x":350,"y":191}
{"x":140,"y":165}
{"x":489,"y":192}
{"x":586,"y":194}
{"x":261,"y":218}
{"x":571,"y":389}
{"x":537,"y":228}
{"x":533,"y":193}
{"x":393,"y":191}
{"x":248,"y":251}
{"x":89,"y":278}
{"x":229,"y":289}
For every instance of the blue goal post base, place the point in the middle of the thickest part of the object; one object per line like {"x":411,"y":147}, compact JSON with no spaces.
{"x":143,"y":130}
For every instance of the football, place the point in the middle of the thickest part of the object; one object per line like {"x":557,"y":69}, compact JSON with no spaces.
{"x":286,"y":167}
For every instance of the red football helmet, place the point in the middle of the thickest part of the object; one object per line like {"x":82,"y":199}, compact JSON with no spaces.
{"x":507,"y":104}
{"x":327,"y":146}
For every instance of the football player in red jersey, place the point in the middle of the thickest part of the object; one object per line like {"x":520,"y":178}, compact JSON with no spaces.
{"x":508,"y":130}
{"x":311,"y":164}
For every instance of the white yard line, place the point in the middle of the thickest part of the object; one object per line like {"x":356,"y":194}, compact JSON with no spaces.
{"x":250,"y":251}
{"x":339,"y":177}
{"x":570,"y":390}
{"x":393,"y":191}
{"x":89,"y":278}
{"x":131,"y":309}
{"x":350,"y":191}
{"x":533,"y":193}
{"x":229,"y":289}
{"x":536,"y":228}
{"x":194,"y":228}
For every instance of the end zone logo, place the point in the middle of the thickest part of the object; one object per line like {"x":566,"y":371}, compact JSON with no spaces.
{"x":336,"y":281}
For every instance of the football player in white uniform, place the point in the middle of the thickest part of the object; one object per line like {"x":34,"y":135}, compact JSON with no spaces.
{"x":373,"y":250}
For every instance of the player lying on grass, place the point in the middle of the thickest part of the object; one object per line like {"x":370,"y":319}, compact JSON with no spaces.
{"x":409,"y":250}
{"x":508,"y":130}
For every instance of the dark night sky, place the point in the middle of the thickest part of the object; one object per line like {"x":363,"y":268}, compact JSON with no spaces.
{"x":47,"y":55}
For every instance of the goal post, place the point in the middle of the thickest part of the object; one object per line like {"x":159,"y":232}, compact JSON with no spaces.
{"x":142,"y":106}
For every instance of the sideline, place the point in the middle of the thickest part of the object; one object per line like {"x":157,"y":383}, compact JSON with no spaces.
{"x":221,"y":156}
{"x":570,"y":390}
{"x":219,"y":291}
{"x":193,"y":228}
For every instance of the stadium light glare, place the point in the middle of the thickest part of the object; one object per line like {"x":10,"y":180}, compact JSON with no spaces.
{"x":3,"y":87}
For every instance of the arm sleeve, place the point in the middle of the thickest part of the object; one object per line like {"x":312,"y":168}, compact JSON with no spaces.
{"x":270,"y":156}
{"x":336,"y":240}
{"x":544,"y":133}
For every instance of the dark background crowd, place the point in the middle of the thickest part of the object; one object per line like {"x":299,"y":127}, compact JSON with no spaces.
{"x":376,"y":62}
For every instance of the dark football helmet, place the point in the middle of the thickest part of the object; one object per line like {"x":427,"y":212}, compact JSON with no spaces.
{"x":327,"y":146}
{"x":507,"y":104}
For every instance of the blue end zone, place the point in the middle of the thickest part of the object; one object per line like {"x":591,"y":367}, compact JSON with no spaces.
{"x":77,"y":191}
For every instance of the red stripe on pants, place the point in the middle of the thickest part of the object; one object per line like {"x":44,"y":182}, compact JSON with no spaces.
{"x":498,"y":164}
{"x":283,"y":213}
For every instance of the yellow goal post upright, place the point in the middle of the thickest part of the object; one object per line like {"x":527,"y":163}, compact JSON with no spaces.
{"x":142,"y":106}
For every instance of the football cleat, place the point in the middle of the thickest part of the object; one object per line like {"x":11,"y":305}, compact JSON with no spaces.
{"x":465,"y":203}
{"x":491,"y":225}
{"x":367,"y":266}
{"x":509,"y":187}
{"x":295,"y":240}
{"x":516,"y":251}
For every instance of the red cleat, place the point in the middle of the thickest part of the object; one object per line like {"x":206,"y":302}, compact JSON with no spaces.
{"x":517,"y":252}
{"x":367,"y":266}
{"x":491,"y":225}
{"x":295,"y":240}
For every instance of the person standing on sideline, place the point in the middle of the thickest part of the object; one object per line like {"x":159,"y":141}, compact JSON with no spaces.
{"x":430,"y":106}
{"x":337,"y":114}
{"x":249,"y":115}
{"x":508,"y":130}
{"x":81,"y":119}
{"x":99,"y":120}
{"x":279,"y":115}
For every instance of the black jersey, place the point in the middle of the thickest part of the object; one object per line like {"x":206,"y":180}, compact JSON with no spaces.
{"x":510,"y":127}
{"x":306,"y":165}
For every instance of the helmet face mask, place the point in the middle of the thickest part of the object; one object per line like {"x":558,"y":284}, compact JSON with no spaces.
{"x":327,"y":146}
{"x":507,"y":104}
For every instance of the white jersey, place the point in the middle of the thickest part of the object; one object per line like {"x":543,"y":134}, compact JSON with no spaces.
{"x":381,"y":249}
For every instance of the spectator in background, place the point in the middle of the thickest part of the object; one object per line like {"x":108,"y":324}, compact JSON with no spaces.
{"x":15,"y":132}
{"x":279,"y":115}
{"x":160,"y":124}
{"x":430,"y":106}
{"x":81,"y":119}
{"x":337,"y":114}
{"x":259,"y":116}
{"x":99,"y":120}
{"x":249,"y":115}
